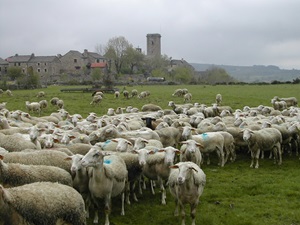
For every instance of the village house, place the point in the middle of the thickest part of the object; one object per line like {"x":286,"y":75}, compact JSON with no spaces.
{"x":51,"y":68}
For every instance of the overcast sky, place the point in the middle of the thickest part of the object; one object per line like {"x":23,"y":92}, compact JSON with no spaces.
{"x":229,"y":32}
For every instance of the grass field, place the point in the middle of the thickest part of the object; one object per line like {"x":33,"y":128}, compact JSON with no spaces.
{"x":235,"y":194}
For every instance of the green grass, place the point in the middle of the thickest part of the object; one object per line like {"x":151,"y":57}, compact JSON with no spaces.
{"x":235,"y":194}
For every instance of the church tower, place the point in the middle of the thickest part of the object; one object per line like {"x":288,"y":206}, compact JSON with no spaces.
{"x":153,"y":45}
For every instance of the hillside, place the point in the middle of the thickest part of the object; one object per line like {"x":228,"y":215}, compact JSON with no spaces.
{"x":256,"y":73}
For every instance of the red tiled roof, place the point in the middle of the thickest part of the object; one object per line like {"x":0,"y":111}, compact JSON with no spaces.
{"x":98,"y":65}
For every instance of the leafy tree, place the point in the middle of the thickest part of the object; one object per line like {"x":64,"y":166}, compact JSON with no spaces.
{"x":33,"y":79}
{"x":97,"y":74}
{"x":157,"y":62}
{"x":134,"y":58}
{"x":14,"y":73}
{"x":116,"y":51}
{"x":216,"y":75}
{"x":183,"y":74}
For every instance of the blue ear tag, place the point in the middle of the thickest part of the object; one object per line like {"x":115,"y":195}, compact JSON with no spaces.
{"x":205,"y":136}
{"x":107,"y":161}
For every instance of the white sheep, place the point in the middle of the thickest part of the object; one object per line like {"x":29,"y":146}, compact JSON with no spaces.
{"x":117,"y":94}
{"x":80,"y":179}
{"x":41,"y":203}
{"x":186,"y":184}
{"x":218,"y":99}
{"x":16,"y":174}
{"x":39,"y":157}
{"x":96,"y":100}
{"x":43,"y":104}
{"x":40,"y":94}
{"x":190,"y":151}
{"x":108,"y":180}
{"x":60,"y":104}
{"x":33,"y":107}
{"x":9,"y":93}
{"x":267,"y":139}
{"x":150,"y":108}
{"x":169,"y":136}
{"x":156,"y":166}
{"x":15,"y":142}
{"x":187,"y":97}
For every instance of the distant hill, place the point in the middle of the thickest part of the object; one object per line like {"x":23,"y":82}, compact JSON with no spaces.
{"x":256,"y":73}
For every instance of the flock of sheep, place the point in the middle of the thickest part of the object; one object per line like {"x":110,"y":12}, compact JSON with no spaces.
{"x":58,"y":168}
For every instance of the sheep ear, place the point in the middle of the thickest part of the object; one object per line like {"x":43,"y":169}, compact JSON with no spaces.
{"x":114,"y":140}
{"x":199,"y":145}
{"x":174,"y":167}
{"x":183,"y":142}
{"x":68,"y":158}
{"x":177,"y":152}
{"x":193,"y":168}
{"x":4,"y":195}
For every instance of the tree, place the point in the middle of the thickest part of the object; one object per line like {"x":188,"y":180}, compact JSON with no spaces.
{"x":116,"y":51}
{"x":157,"y":62}
{"x":134,"y":58}
{"x":97,"y":74}
{"x":14,"y":73}
{"x":183,"y":74}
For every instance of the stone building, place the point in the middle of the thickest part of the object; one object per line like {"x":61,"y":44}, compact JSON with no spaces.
{"x":3,"y":67}
{"x":153,"y":45}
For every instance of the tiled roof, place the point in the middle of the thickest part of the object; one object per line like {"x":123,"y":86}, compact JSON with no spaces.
{"x":43,"y":59}
{"x":18,"y":58}
{"x":98,"y":65}
{"x":3,"y":62}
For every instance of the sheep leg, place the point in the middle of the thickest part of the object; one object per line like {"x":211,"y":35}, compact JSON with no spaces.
{"x":256,"y":158}
{"x":182,"y":214}
{"x":176,"y":211}
{"x":252,"y":159}
{"x":128,"y":192}
{"x":163,"y":191}
{"x":152,"y":187}
{"x":193,"y":213}
{"x":107,"y":208}
{"x":123,"y":207}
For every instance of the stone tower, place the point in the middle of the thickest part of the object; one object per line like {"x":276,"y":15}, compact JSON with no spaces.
{"x":153,"y":45}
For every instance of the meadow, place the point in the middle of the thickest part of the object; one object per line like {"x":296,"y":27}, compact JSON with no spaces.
{"x":233,"y":195}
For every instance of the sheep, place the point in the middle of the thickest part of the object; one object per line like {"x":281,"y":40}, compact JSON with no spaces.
{"x":134,"y":92}
{"x":229,"y":146}
{"x":60,"y":104}
{"x":41,"y":203}
{"x":211,"y":142}
{"x":108,"y":180}
{"x":290,"y":101}
{"x":3,"y":105}
{"x":96,"y":100}
{"x":267,"y":139}
{"x":15,"y":174}
{"x":80,"y":179}
{"x":218,"y":99}
{"x":169,"y":136}
{"x":54,"y":100}
{"x":142,"y":143}
{"x":111,"y":132}
{"x":117,"y":94}
{"x":123,"y":145}
{"x":33,"y":107}
{"x":40,"y":94}
{"x":150,"y":108}
{"x":126,"y":94}
{"x":186,"y":184}
{"x":190,"y":151}
{"x":39,"y":157}
{"x":156,"y":166}
{"x":43,"y":104}
{"x":15,"y":142}
{"x":9,"y":93}
{"x":187,"y":97}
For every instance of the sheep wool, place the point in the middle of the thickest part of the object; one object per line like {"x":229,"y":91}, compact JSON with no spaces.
{"x":41,"y":203}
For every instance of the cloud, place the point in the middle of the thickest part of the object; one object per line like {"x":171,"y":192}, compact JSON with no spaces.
{"x":231,"y":32}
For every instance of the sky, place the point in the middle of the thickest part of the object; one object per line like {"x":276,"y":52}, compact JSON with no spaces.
{"x":226,"y":32}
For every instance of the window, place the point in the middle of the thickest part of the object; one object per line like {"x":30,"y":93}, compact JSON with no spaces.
{"x":97,"y":60}
{"x":38,"y":63}
{"x":39,"y":70}
{"x":45,"y":64}
{"x":19,"y":64}
{"x":23,"y":70}
{"x":77,"y":67}
{"x":45,"y":70}
{"x":75,"y":60}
